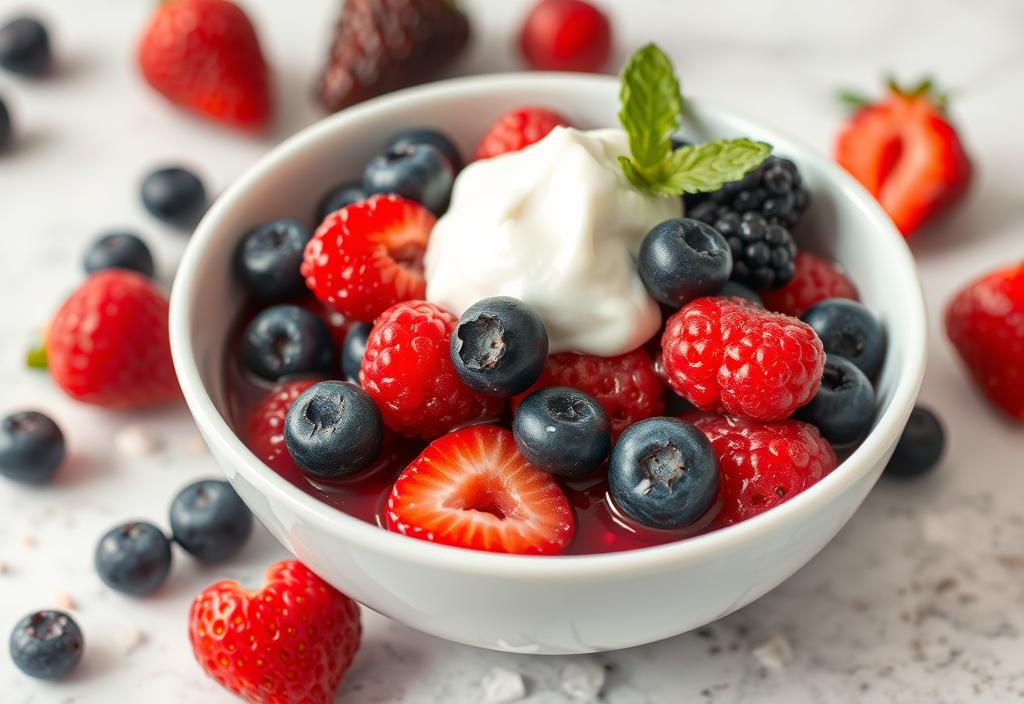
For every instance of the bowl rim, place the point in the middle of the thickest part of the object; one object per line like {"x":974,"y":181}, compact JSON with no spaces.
{"x":219,"y":433}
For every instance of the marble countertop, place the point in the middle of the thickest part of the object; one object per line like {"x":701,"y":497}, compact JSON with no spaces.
{"x":920,"y":598}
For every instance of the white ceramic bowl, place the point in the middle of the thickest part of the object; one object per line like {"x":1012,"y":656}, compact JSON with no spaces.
{"x":569,"y":604}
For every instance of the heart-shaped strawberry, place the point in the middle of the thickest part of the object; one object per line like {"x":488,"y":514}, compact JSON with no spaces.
{"x":291,"y":641}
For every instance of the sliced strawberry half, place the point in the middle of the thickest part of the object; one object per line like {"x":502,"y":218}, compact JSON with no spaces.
{"x":368,"y":256}
{"x":473,"y":489}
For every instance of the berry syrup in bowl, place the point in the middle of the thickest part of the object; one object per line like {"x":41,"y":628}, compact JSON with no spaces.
{"x":565,"y":407}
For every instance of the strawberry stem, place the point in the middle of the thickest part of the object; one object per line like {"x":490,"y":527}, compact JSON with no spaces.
{"x":36,"y":358}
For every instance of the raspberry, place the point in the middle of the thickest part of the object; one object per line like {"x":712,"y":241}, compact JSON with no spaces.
{"x":762,"y":465}
{"x":626,"y":386}
{"x":407,"y":370}
{"x":814,"y":281}
{"x":728,"y":354}
{"x":517,"y":129}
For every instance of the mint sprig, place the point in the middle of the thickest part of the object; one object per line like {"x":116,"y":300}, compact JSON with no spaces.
{"x":651,"y":110}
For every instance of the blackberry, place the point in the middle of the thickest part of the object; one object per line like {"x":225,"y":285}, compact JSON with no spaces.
{"x":762,"y":252}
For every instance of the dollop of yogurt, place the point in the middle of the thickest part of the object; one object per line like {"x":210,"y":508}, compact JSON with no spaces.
{"x":558,"y":226}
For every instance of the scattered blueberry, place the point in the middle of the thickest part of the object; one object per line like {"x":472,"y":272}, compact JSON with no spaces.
{"x":269,"y":257}
{"x":5,"y":126}
{"x":46,"y":645}
{"x":681,"y":260}
{"x":119,"y":250}
{"x":31,"y":447}
{"x":848,"y":329}
{"x":338,"y":197}
{"x":333,"y":429}
{"x":418,"y":172}
{"x":499,"y":346}
{"x":25,"y":47}
{"x":844,"y":406}
{"x":353,"y":349}
{"x":663,"y":473}
{"x":287,"y":339}
{"x":210,"y":521}
{"x":174,"y":195}
{"x":563,"y":431}
{"x":425,"y":135}
{"x":731,"y":288}
{"x":133,"y":558}
{"x":920,"y":446}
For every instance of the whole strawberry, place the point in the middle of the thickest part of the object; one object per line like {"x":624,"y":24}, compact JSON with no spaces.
{"x":985,"y":322}
{"x":265,"y":424}
{"x":204,"y":56}
{"x":291,"y":641}
{"x":108,"y":343}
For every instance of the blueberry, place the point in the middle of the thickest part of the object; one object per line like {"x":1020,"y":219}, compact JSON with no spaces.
{"x":31,"y":447}
{"x":25,"y":47}
{"x":681,"y":260}
{"x":287,"y":339}
{"x":850,"y":330}
{"x":418,"y":172}
{"x":174,"y":195}
{"x":920,"y":446}
{"x":269,"y":257}
{"x":133,"y":558}
{"x":563,"y":431}
{"x":663,"y":473}
{"x":425,"y":135}
{"x":731,"y":288}
{"x":119,"y":250}
{"x":5,"y":126}
{"x":210,"y":521}
{"x":499,"y":346}
{"x":333,"y":429}
{"x":338,"y":197}
{"x":353,"y":349}
{"x":46,"y":645}
{"x":844,"y":406}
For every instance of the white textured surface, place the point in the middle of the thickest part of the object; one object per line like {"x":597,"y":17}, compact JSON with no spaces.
{"x":920,"y":597}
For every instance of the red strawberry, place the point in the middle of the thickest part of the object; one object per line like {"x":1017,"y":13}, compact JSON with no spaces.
{"x":265,"y":425}
{"x":291,"y":641}
{"x":566,"y":35}
{"x":108,"y":343}
{"x":761,"y":465}
{"x":518,"y":129}
{"x":907,"y":154}
{"x":985,"y":322}
{"x":368,"y":256}
{"x":814,"y":281}
{"x":728,"y":354}
{"x":472,"y":488}
{"x":204,"y":56}
{"x":383,"y":45}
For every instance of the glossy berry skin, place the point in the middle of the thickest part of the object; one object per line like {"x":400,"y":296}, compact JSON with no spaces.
{"x":683,"y":259}
{"x":248,"y":641}
{"x":408,"y":372}
{"x":353,"y":349}
{"x":566,"y":35}
{"x":425,"y":135}
{"x":342,"y":195}
{"x":31,"y":447}
{"x":133,"y":558}
{"x":108,"y":343}
{"x":6,"y":131}
{"x":733,"y":289}
{"x":46,"y":645}
{"x":284,"y":340}
{"x":726,"y":354}
{"x":844,"y":406}
{"x":264,"y":433}
{"x":174,"y":195}
{"x":419,"y":172}
{"x":204,"y":56}
{"x":762,"y":464}
{"x":662,"y":473}
{"x":119,"y":250}
{"x":850,"y":330}
{"x":25,"y":47}
{"x":499,"y":346}
{"x":563,"y":431}
{"x":813,"y":281}
{"x":920,"y":447}
{"x":210,"y":521}
{"x":333,"y":430}
{"x":518,"y":129}
{"x":983,"y":323}
{"x":269,"y":257}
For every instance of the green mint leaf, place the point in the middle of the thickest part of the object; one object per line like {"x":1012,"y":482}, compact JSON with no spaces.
{"x":707,"y":167}
{"x":651,"y":105}
{"x":36,"y":358}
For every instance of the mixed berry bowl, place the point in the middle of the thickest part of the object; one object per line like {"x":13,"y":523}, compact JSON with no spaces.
{"x":587,"y":598}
